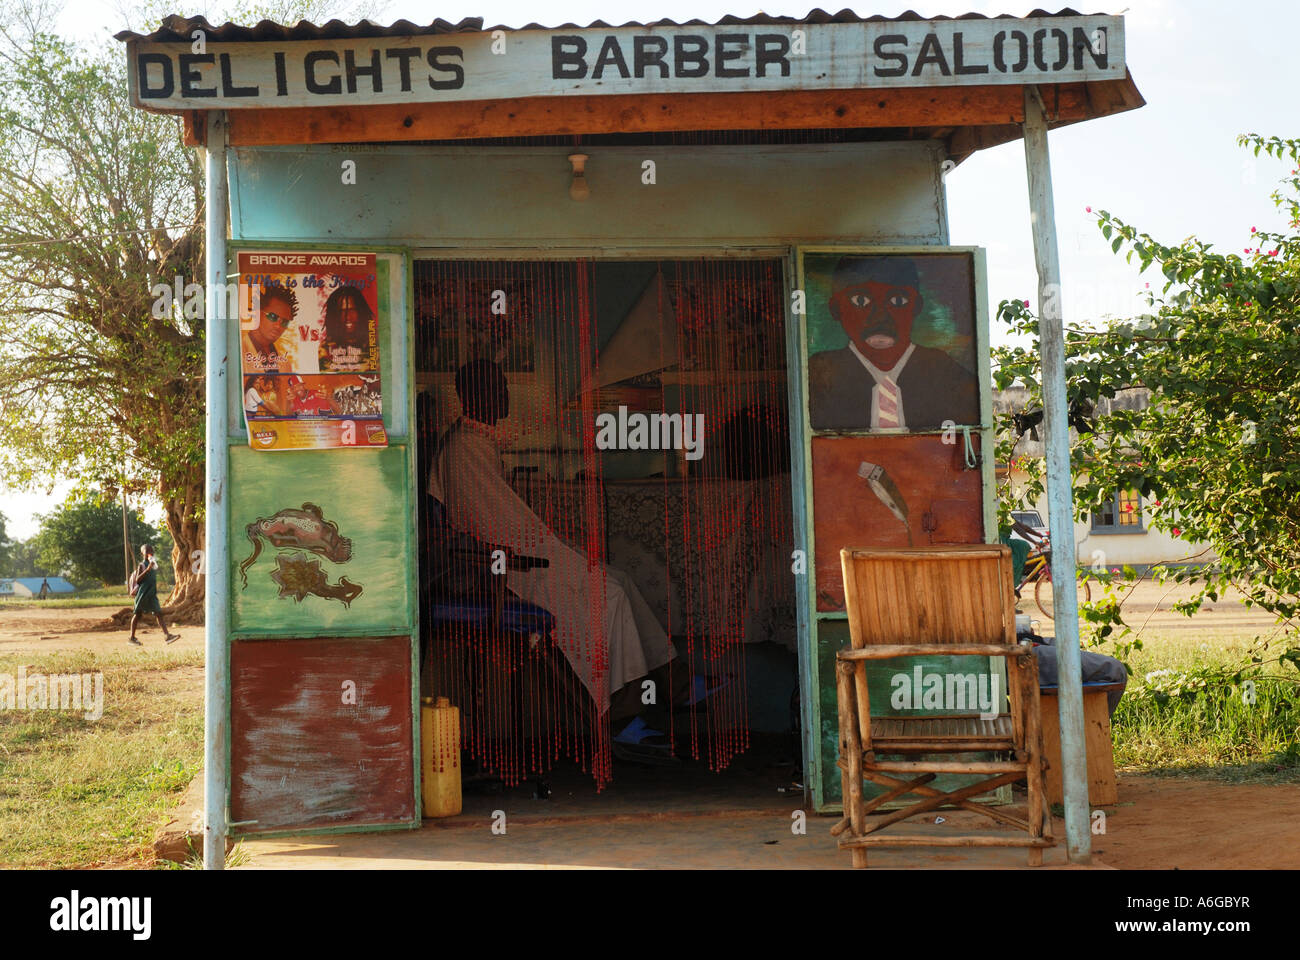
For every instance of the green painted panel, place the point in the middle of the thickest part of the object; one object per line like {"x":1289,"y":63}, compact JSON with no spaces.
{"x":305,"y":577}
{"x":832,"y":636}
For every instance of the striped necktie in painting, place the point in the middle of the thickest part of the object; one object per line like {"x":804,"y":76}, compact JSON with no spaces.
{"x":886,"y":403}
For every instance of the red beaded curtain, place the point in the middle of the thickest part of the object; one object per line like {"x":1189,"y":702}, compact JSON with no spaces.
{"x":528,"y":680}
{"x":735,"y":500}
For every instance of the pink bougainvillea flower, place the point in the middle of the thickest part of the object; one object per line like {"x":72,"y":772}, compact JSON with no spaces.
{"x":1089,"y":209}
{"x":1157,"y":503}
{"x":1252,"y":229}
{"x":1026,"y":303}
{"x":1177,"y":532}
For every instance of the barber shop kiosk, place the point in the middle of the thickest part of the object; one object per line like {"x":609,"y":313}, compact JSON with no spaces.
{"x":550,"y":372}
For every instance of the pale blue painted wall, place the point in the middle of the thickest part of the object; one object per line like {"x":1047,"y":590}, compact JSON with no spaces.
{"x":889,"y":193}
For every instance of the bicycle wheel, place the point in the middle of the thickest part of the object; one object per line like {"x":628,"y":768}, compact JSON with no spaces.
{"x":1045,"y":600}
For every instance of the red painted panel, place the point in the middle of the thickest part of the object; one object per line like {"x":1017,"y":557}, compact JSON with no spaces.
{"x":925,"y":478}
{"x":304,"y":753}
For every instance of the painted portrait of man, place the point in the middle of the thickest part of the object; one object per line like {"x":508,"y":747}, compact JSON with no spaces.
{"x":882,"y":378}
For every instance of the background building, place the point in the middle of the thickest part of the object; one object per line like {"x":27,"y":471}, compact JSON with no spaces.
{"x":1118,"y":532}
{"x":30,"y":587}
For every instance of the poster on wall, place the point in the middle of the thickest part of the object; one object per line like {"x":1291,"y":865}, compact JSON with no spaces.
{"x":309,"y":350}
{"x":891,"y":341}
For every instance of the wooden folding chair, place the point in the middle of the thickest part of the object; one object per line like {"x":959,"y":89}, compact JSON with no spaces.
{"x":948,"y":601}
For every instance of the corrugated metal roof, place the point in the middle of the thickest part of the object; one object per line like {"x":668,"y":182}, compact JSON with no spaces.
{"x":178,"y":29}
{"x":57,"y":584}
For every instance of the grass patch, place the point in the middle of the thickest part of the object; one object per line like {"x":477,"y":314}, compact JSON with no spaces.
{"x":77,"y":792}
{"x":71,"y":603}
{"x":236,"y":856}
{"x":1181,"y":716}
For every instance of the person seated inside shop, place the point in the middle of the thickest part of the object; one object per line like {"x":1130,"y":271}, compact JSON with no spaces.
{"x":468,"y":478}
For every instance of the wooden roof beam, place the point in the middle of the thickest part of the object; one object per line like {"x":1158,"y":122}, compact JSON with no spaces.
{"x":924,"y":107}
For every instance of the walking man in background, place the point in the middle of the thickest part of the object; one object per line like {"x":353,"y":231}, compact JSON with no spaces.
{"x":144,"y":585}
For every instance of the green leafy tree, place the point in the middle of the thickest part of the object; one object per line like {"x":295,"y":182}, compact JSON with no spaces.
{"x":6,"y":548}
{"x":162,"y":545}
{"x":82,"y":539}
{"x":100,"y":203}
{"x":1217,"y":449}
{"x":24,"y":562}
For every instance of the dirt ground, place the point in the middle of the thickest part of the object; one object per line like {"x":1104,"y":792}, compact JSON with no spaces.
{"x":38,"y":629}
{"x":1149,"y":608}
{"x":1159,"y":823}
{"x":1162,"y":823}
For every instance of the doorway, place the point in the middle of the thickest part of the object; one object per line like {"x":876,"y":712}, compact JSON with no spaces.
{"x":605,"y":521}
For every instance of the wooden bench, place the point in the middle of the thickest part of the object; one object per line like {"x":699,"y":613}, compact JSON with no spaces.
{"x":935,"y":601}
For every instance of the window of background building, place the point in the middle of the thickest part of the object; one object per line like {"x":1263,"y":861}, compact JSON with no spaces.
{"x":1121,"y":513}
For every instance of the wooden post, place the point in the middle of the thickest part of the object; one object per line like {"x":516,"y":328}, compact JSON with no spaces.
{"x":1060,"y":499}
{"x":216,"y":712}
{"x":1027,"y":668}
{"x":851,"y":750}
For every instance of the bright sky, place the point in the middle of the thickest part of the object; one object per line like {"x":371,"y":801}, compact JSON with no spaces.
{"x":1171,"y":168}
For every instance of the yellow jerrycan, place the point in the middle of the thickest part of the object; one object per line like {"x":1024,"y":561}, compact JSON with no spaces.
{"x":440,"y":757}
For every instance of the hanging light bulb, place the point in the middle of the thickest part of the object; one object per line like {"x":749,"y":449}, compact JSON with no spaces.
{"x":578,"y":189}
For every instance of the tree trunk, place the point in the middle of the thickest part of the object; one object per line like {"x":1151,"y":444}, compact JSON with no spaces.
{"x":185,"y":604}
